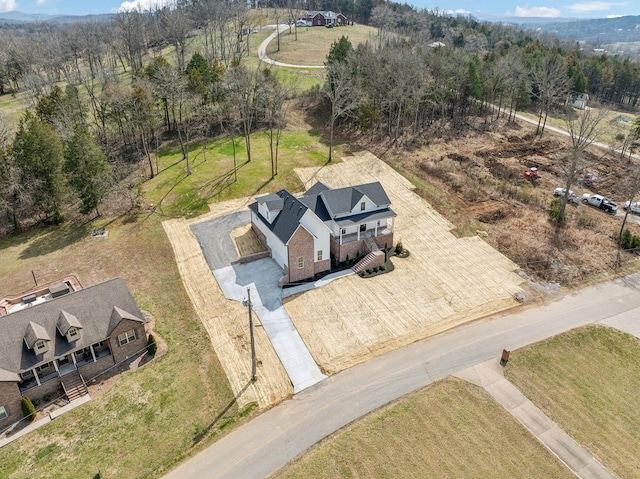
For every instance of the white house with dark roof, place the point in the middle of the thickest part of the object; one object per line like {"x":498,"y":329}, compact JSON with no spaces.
{"x":305,"y":234}
{"x":56,"y":344}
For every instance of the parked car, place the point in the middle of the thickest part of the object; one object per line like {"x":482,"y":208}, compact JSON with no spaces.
{"x":572,"y":198}
{"x":633,"y":207}
{"x":600,"y":202}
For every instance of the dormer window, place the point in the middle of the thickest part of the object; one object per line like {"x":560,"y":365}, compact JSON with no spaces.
{"x":73,"y":334}
{"x":69,"y":326}
{"x":362,"y":206}
{"x":41,"y":346}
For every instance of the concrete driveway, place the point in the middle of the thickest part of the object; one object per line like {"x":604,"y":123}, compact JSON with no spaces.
{"x":261,"y":278}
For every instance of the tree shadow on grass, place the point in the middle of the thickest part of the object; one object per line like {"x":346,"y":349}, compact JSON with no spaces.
{"x":201,"y":434}
{"x":56,"y":238}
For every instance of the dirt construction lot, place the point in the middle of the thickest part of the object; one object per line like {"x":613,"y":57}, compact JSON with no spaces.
{"x":446,"y":281}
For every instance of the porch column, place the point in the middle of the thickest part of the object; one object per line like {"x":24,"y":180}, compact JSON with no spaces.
{"x":393,"y":222}
{"x":375,"y":231}
{"x":55,"y":365}
{"x":358,"y":232}
{"x":93,"y":353}
{"x":341,"y":236}
{"x":35,"y":375}
{"x":73,"y":358}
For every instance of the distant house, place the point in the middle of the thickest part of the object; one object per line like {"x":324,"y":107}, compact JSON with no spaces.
{"x":580,"y":101}
{"x":305,"y":234}
{"x":57,"y":337}
{"x":320,"y":19}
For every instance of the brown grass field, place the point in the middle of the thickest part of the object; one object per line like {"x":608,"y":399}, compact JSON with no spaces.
{"x":587,"y":381}
{"x":450,"y":429}
{"x":314,"y":43}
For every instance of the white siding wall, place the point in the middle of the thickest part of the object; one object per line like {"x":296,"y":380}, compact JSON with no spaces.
{"x":320,"y":231}
{"x":368,"y":206}
{"x":278,"y":249}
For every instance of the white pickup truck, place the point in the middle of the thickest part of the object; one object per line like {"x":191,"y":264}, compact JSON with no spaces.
{"x":600,"y":202}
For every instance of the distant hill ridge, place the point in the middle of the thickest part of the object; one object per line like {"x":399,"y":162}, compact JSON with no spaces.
{"x":595,"y":30}
{"x":16,"y":17}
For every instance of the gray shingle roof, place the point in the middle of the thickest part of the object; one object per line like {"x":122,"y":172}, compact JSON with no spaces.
{"x":35,"y":332}
{"x":288,"y":220}
{"x":342,"y":200}
{"x":316,"y":189}
{"x":273,"y":201}
{"x":66,"y":321}
{"x":93,"y":308}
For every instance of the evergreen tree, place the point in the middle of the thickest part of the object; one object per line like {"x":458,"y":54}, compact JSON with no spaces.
{"x":38,"y":154}
{"x":87,"y":169}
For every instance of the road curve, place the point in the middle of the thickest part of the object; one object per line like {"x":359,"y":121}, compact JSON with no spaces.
{"x":271,"y":440}
{"x":262,"y":50}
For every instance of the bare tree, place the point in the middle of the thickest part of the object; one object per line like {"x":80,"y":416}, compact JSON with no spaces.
{"x":244,"y":90}
{"x":552,"y":81}
{"x":342,"y":92}
{"x":272,"y":107}
{"x":583,"y":132}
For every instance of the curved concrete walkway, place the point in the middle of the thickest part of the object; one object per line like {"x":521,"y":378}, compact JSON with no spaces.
{"x":262,"y":50}
{"x":489,"y":376}
{"x":261,"y":277}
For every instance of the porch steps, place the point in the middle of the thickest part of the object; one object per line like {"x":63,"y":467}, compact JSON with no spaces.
{"x":375,"y":258}
{"x":371,"y":245}
{"x":74,"y":385}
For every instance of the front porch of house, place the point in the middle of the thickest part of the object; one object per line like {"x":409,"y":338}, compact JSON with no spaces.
{"x":358,"y":244}
{"x":63,"y":365}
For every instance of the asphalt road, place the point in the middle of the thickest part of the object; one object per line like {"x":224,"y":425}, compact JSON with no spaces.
{"x":277,"y":436}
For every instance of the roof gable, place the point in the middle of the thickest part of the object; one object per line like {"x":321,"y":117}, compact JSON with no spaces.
{"x":342,"y":201}
{"x":66,"y":321}
{"x":92,"y":307}
{"x":118,"y":314}
{"x":286,"y":223}
{"x":35,"y":333}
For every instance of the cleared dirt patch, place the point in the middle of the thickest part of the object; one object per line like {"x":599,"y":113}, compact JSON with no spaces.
{"x":450,"y":429}
{"x":227,"y":321}
{"x":445,"y":282}
{"x":246,"y":241}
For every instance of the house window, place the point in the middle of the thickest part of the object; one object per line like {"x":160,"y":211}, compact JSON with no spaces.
{"x":362,"y":206}
{"x":3,"y":412}
{"x":378,"y":223}
{"x":127,"y":337}
{"x":363,"y":228}
{"x":319,"y":255}
{"x":344,"y":231}
{"x":44,"y":367}
{"x":72,"y":333}
{"x":300,"y":262}
{"x":40,"y":344}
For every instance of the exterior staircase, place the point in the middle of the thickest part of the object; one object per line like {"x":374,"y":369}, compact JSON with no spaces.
{"x":373,"y":259}
{"x":74,"y":385}
{"x":371,"y":245}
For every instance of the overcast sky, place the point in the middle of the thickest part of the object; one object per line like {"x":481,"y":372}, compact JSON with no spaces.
{"x":544,"y":8}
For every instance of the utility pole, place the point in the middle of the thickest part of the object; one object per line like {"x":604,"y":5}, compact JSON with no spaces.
{"x":254,"y":376}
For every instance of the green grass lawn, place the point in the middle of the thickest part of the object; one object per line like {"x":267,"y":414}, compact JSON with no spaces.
{"x":450,"y":429}
{"x":212,"y":179}
{"x":156,"y":416}
{"x":313,"y":43}
{"x":151,"y":418}
{"x":588,"y":382}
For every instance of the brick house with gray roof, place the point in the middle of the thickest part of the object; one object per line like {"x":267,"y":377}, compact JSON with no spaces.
{"x":304,"y":235}
{"x":51,"y":343}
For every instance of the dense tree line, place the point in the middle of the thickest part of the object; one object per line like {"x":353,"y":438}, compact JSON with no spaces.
{"x":103,"y":94}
